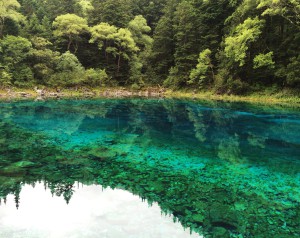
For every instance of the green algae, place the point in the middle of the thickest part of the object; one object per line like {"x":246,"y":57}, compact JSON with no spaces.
{"x":199,"y":169}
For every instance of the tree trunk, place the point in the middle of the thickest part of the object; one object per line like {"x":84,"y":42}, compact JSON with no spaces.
{"x":119,"y":63}
{"x":213,"y":73}
{"x":2,"y":22}
{"x":75,"y":47}
{"x":105,"y":53}
{"x":70,"y":42}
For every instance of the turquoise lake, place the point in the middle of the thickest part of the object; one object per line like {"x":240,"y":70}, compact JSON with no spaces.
{"x":148,"y":168}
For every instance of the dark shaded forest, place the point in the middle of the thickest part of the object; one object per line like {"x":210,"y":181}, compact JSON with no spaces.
{"x":229,"y":46}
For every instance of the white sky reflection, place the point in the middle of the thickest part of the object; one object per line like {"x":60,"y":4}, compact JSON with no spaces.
{"x":90,"y":213}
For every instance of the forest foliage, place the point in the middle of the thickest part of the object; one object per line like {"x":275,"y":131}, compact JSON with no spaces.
{"x":230,"y":46}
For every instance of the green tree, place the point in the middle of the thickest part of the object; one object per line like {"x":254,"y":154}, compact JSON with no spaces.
{"x":125,"y":46}
{"x":70,"y":26}
{"x":116,"y":42}
{"x":293,"y":71}
{"x":15,"y":52}
{"x":28,"y":7}
{"x":46,"y":28}
{"x":164,"y":45}
{"x":151,"y":10}
{"x":200,"y":74}
{"x":209,"y":25}
{"x":69,"y":71}
{"x":237,"y":44}
{"x":9,"y":10}
{"x":289,"y":9}
{"x":114,"y":12}
{"x":140,"y":30}
{"x":5,"y":77}
{"x":103,"y":35}
{"x":33,"y":26}
{"x":84,"y":8}
{"x":55,"y":8}
{"x":68,"y":62}
{"x":275,"y":34}
{"x":43,"y":59}
{"x":263,"y":60}
{"x":185,"y":43}
{"x":96,"y":77}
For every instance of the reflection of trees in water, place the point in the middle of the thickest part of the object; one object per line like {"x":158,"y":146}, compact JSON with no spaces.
{"x":229,"y":149}
{"x":204,"y":207}
{"x":203,"y":198}
{"x":200,"y":127}
{"x":256,"y":140}
{"x":220,"y":130}
{"x":216,"y":126}
{"x":62,"y":188}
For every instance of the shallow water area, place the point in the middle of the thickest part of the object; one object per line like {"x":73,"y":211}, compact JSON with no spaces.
{"x":217,"y":169}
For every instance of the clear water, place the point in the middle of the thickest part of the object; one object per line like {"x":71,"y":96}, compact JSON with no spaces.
{"x":218,"y":169}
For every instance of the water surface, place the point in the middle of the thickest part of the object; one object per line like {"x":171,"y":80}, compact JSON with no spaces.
{"x":219,"y":169}
{"x":92,"y":212}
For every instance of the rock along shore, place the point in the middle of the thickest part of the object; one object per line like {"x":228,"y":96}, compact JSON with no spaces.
{"x":81,"y":92}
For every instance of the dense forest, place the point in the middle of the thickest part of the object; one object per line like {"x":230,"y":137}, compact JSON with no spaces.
{"x":230,"y":46}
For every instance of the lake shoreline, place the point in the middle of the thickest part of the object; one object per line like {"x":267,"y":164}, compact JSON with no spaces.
{"x":284,"y":99}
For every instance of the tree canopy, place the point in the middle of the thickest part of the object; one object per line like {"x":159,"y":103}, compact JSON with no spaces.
{"x":227,"y":46}
{"x":70,"y":26}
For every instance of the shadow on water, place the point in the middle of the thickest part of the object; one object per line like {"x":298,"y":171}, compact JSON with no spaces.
{"x":222,"y":170}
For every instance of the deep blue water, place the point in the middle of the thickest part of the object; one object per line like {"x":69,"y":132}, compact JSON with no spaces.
{"x":219,"y":169}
